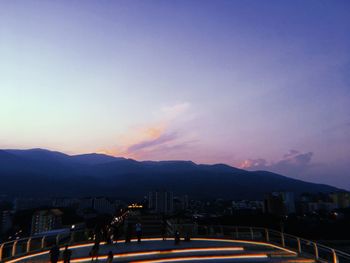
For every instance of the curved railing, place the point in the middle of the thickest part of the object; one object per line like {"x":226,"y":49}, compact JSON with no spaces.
{"x":303,"y":247}
{"x":20,"y":247}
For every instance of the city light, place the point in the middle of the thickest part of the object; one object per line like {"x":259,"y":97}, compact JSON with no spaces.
{"x":135,"y":206}
{"x":186,"y":250}
{"x":201,"y":258}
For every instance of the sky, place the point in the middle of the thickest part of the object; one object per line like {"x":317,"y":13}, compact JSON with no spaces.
{"x":254,"y":84}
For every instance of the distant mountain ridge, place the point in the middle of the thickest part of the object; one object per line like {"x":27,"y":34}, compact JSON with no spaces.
{"x":40,"y":172}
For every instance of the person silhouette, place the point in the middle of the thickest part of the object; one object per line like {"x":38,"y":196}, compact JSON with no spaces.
{"x":67,"y":253}
{"x":94,"y":251}
{"x":138,"y":228}
{"x":54,"y":254}
{"x":177,"y":237}
{"x":110,"y":257}
{"x":128,"y":234}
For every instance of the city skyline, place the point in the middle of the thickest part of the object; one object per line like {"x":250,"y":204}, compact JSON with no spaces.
{"x":254,"y":85}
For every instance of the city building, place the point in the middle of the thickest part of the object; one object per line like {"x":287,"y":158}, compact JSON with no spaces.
{"x":341,"y":199}
{"x":46,"y":220}
{"x":66,"y":202}
{"x":31,"y":203}
{"x":279,"y":203}
{"x":321,"y":206}
{"x":103,"y":205}
{"x":247,"y":205}
{"x":85,"y":203}
{"x":161,"y":202}
{"x":5,"y":221}
{"x":180,"y":203}
{"x":310,"y":203}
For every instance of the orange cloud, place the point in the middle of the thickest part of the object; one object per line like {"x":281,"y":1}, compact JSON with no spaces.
{"x":139,"y":141}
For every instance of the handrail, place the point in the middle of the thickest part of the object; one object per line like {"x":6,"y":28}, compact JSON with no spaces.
{"x":28,"y":241}
{"x":297,"y":244}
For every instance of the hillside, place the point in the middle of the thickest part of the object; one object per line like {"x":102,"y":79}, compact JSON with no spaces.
{"x":39,"y":172}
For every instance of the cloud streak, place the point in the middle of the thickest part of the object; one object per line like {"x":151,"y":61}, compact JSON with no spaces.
{"x":293,"y":163}
{"x":163,"y":138}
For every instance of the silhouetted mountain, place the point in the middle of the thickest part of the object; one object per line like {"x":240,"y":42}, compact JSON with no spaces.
{"x":39,"y":172}
{"x":40,"y":154}
{"x":94,"y":158}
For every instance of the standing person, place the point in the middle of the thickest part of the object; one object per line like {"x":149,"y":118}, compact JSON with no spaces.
{"x":111,"y":235}
{"x":128,"y":234}
{"x":164,"y":230}
{"x":177,"y":237}
{"x":54,"y":254}
{"x":94,"y":251}
{"x":67,"y":253}
{"x":138,"y":228}
{"x":115,"y":234}
{"x":110,"y":257}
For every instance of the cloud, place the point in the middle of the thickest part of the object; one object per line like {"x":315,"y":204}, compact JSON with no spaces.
{"x":293,"y":164}
{"x":290,"y":153}
{"x":253,"y":163}
{"x":161,"y":139}
{"x":174,"y":111}
{"x":165,"y":137}
{"x":301,"y":166}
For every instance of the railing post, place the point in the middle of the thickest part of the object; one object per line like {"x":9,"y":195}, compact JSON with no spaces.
{"x":28,"y":245}
{"x":282,"y":239}
{"x":267,"y":235}
{"x":316,"y":251}
{"x":43,"y":242}
{"x":1,"y":249}
{"x":14,"y":248}
{"x":251,"y":233}
{"x":58,"y":239}
{"x":299,"y":245}
{"x":335,"y":257}
{"x":71,"y":240}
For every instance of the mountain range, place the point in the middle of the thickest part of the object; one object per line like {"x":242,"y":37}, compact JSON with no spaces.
{"x":40,"y":172}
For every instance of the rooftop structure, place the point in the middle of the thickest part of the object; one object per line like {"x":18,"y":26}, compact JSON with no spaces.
{"x":206,"y":243}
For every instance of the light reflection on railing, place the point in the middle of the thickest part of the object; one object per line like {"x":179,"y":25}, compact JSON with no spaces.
{"x":302,"y":247}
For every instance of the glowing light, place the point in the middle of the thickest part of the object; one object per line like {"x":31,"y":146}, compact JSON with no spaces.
{"x":300,"y":260}
{"x":252,"y":256}
{"x":171,"y":259}
{"x":173,"y":251}
{"x":245,"y":241}
{"x":153,"y":252}
{"x":29,"y":256}
{"x":135,"y":206}
{"x":47,"y":251}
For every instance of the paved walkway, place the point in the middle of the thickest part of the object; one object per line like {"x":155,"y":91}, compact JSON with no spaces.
{"x":196,"y":250}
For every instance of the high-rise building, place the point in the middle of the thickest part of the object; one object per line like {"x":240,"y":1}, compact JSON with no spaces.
{"x":66,"y":202}
{"x":5,"y":221}
{"x":279,"y":203}
{"x":46,"y":220}
{"x":31,"y":203}
{"x":161,"y":202}
{"x":341,"y":199}
{"x":103,"y":205}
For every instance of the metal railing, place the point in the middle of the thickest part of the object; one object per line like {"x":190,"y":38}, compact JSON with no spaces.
{"x":23,"y":246}
{"x":303,"y":248}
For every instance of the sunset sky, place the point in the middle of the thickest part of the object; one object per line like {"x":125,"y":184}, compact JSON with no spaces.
{"x":254,"y":84}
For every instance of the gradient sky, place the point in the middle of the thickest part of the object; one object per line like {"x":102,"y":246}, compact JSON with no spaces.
{"x":255,"y":84}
